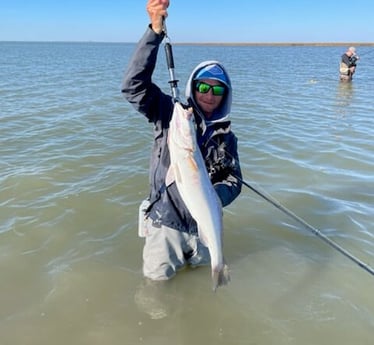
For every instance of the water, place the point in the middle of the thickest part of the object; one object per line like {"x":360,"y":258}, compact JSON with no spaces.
{"x":74,"y":165}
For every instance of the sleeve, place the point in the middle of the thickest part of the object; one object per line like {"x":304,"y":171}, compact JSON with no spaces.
{"x":352,"y":61}
{"x":229,"y":187}
{"x":346,"y":60}
{"x":137,"y":85}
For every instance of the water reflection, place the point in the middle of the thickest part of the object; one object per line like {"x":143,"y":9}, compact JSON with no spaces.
{"x":345,"y":92}
{"x":155,"y":298}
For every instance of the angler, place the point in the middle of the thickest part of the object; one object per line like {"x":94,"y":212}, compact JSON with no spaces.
{"x":171,"y":233}
{"x":348,"y":64}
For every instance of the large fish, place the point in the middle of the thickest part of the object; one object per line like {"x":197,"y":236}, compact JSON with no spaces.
{"x":188,"y":169}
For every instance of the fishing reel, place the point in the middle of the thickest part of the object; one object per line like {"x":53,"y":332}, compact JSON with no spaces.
{"x":354,"y":58}
{"x":220,"y":165}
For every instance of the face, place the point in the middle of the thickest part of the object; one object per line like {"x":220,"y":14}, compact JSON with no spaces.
{"x":208,"y":102}
{"x":350,"y":53}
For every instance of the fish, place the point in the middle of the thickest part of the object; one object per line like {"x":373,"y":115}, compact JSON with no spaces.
{"x":188,"y":170}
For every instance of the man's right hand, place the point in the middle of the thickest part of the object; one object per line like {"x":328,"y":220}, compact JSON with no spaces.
{"x":157,"y":11}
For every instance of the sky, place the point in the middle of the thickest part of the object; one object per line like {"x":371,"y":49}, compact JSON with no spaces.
{"x":199,"y":21}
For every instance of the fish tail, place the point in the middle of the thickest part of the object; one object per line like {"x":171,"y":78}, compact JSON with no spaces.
{"x":220,"y":277}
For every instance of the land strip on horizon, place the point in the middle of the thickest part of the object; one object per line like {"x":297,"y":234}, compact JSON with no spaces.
{"x":295,"y":44}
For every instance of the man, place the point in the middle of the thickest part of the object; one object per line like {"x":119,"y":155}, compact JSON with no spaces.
{"x":348,"y":64}
{"x":171,"y":239}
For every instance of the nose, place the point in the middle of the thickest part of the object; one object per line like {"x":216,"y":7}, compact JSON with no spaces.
{"x":209,"y":94}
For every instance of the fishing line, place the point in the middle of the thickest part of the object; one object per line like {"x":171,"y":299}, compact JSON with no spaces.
{"x":175,"y":93}
{"x":312,"y":229}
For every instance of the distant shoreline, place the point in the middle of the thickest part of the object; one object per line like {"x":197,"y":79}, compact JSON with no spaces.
{"x":228,"y":44}
{"x":290,"y":44}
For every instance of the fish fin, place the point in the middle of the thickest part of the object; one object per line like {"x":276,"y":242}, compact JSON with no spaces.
{"x":172,"y":175}
{"x":220,"y":277}
{"x":202,"y":239}
{"x":170,"y":178}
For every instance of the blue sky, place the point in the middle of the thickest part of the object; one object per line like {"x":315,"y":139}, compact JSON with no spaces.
{"x":189,"y":20}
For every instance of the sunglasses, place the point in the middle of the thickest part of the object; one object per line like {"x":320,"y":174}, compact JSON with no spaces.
{"x":217,"y":90}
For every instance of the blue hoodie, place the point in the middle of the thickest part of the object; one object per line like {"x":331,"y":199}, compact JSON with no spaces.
{"x":211,"y":70}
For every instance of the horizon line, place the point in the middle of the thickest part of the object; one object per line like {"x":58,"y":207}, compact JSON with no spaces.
{"x":209,"y":43}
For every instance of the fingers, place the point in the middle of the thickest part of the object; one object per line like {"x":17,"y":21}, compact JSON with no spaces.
{"x":157,"y":7}
{"x":157,"y":11}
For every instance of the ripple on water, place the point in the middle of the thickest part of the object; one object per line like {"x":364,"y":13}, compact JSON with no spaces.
{"x":74,"y":168}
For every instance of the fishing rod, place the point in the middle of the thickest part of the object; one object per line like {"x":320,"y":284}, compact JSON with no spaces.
{"x":312,"y":229}
{"x":170,"y":63}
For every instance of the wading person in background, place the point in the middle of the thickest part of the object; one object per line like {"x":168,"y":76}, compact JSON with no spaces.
{"x":348,"y":64}
{"x":171,"y":236}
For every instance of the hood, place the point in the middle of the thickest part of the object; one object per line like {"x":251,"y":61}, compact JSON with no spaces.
{"x":219,"y":73}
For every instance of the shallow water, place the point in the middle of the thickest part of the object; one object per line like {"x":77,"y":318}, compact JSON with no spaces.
{"x":74,"y":168}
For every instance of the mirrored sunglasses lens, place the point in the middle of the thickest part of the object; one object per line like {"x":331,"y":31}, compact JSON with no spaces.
{"x":203,"y":88}
{"x":218,"y":90}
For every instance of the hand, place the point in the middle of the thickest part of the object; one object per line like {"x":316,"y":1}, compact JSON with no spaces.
{"x":157,"y":12}
{"x":219,"y":164}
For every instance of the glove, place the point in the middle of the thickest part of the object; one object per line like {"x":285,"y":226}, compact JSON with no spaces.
{"x":220,"y":164}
